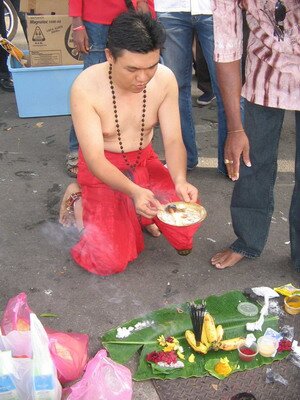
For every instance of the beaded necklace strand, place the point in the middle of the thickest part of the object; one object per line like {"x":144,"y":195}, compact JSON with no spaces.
{"x":132,"y":166}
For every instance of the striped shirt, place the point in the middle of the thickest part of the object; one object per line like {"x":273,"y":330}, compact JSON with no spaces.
{"x":272,"y":66}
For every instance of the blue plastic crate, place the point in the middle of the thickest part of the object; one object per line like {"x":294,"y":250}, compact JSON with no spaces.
{"x":43,"y":91}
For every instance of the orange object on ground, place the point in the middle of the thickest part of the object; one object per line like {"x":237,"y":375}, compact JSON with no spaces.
{"x":13,"y":50}
{"x":113,"y":231}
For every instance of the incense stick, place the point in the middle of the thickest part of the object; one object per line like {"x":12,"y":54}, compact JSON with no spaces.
{"x":197,"y":312}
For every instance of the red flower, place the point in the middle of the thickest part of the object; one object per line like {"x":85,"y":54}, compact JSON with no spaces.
{"x":170,"y":339}
{"x":284,"y":345}
{"x":161,"y":356}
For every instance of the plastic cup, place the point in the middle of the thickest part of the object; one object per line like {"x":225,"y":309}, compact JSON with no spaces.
{"x":248,"y":353}
{"x":292,"y":304}
{"x":267,"y":346}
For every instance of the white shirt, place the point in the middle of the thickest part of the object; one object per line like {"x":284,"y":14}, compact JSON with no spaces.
{"x":195,"y":7}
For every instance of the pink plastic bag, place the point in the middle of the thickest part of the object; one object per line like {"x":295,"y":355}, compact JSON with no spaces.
{"x":16,"y":316}
{"x":104,"y":379}
{"x":69,"y":352}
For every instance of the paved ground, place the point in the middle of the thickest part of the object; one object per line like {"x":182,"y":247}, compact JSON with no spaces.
{"x":34,"y":249}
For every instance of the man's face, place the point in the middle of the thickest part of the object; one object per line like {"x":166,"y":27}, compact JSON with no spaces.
{"x":132,"y":71}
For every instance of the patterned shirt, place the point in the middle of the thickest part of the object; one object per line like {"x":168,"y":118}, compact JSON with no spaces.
{"x":272,"y":66}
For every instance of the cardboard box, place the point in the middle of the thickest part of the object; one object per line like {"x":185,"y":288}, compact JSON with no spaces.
{"x":50,"y":40}
{"x":45,"y":6}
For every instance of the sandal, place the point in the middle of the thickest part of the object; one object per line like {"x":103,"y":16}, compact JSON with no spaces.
{"x":72,"y":164}
{"x":7,"y":84}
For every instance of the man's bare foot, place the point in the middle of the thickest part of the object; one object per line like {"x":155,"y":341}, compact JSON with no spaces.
{"x":69,"y":216}
{"x":226,"y":258}
{"x":153,"y":230}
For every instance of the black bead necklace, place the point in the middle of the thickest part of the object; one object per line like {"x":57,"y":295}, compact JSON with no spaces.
{"x":132,"y":166}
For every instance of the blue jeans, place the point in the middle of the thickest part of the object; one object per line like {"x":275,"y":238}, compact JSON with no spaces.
{"x":177,"y":55}
{"x":252,"y":202}
{"x":97,"y":34}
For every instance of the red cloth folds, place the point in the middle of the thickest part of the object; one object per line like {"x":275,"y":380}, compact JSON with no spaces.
{"x":113,"y":236}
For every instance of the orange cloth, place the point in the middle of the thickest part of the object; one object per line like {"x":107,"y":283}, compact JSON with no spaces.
{"x":113,"y":231}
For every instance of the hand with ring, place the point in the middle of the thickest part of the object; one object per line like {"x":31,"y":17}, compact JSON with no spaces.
{"x":236,"y":150}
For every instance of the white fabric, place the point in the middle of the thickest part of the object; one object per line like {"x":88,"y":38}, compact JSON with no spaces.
{"x":195,"y":7}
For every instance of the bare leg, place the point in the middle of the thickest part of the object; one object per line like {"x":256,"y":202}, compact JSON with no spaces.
{"x":69,"y":216}
{"x":226,"y":258}
{"x":153,"y":230}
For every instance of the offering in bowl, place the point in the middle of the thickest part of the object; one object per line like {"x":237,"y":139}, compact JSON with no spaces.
{"x":179,"y":213}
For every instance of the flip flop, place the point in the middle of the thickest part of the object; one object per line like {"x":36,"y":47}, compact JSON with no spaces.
{"x":7,"y":84}
{"x":72,"y":163}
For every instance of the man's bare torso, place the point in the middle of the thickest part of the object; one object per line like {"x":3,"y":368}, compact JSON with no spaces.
{"x":95,"y":82}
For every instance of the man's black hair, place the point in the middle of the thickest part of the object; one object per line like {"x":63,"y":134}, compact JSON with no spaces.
{"x":135,"y":32}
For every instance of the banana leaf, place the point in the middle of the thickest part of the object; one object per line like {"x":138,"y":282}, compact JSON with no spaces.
{"x":174,"y":321}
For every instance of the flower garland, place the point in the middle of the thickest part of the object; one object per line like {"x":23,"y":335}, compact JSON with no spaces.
{"x":170,"y":356}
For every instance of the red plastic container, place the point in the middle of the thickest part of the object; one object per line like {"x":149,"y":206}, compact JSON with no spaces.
{"x":247,"y":353}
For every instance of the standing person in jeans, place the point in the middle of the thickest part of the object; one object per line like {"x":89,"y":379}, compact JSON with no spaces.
{"x":6,"y":82}
{"x":91,"y":20}
{"x":181,"y":19}
{"x":203,"y":78}
{"x":202,"y":72}
{"x":271,"y":87}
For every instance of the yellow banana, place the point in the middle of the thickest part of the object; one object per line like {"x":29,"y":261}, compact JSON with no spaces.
{"x":231,"y":344}
{"x":210,"y":328}
{"x":190,"y":337}
{"x":220,"y":333}
{"x":204,"y":338}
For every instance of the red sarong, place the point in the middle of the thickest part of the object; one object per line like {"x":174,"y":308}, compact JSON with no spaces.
{"x":113,"y":236}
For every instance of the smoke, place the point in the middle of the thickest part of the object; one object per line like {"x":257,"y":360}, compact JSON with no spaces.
{"x":58,"y":236}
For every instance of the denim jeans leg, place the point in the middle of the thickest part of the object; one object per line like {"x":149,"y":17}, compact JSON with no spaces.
{"x":294,"y":216}
{"x":205,"y":32}
{"x":97,"y":34}
{"x":252,"y":200}
{"x":177,"y":55}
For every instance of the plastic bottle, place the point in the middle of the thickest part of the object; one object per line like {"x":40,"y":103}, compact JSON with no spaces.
{"x":43,"y":372}
{"x":8,"y":390}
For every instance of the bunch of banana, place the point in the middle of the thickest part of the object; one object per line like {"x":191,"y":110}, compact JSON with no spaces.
{"x":211,"y":338}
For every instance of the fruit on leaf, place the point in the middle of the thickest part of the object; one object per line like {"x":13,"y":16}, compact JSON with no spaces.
{"x":190,"y":337}
{"x":231,"y":344}
{"x":210,"y":328}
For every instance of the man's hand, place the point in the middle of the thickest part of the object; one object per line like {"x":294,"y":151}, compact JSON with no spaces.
{"x":237,"y":145}
{"x":145,"y":203}
{"x":186,"y":192}
{"x":80,"y":37}
{"x":81,"y":41}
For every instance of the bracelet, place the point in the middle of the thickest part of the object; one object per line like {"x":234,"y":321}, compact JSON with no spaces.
{"x":236,"y":131}
{"x":71,"y":200}
{"x":79,"y":28}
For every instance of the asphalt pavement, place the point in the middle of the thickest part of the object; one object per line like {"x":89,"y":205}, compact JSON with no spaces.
{"x":34,"y":249}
